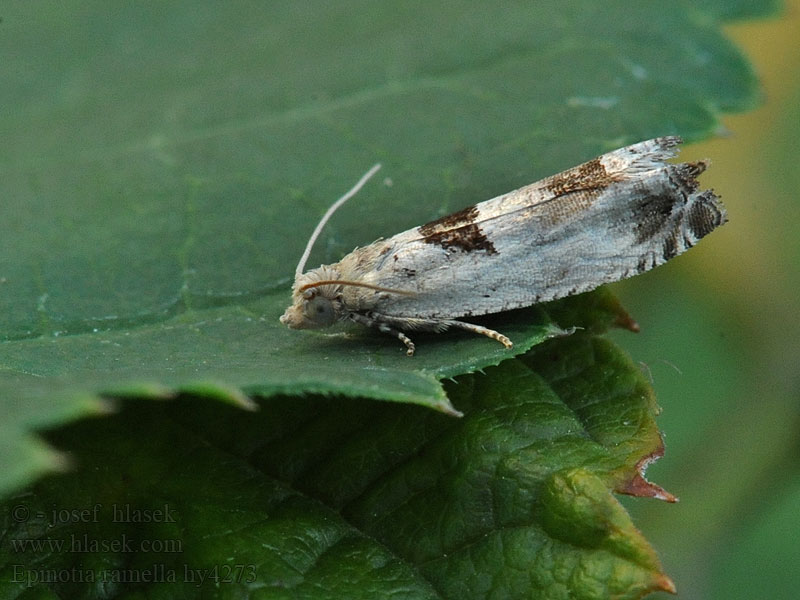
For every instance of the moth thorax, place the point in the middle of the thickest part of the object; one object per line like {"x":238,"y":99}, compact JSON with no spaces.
{"x":306,"y":281}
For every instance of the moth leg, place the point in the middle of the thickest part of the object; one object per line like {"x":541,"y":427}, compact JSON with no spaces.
{"x":436,"y":325}
{"x":490,"y":333}
{"x":372,"y":320}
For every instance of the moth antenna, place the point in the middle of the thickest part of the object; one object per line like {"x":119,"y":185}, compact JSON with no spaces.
{"x":334,"y":207}
{"x":379,"y":288}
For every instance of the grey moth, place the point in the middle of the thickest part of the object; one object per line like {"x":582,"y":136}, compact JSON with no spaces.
{"x":618,"y":215}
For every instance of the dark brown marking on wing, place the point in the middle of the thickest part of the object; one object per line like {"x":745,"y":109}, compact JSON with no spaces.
{"x":642,"y":266}
{"x":646,"y":262}
{"x":651,"y":215}
{"x":670,"y":248}
{"x":574,"y":190}
{"x":464,"y":216}
{"x":704,"y":215}
{"x":467,"y":238}
{"x":588,"y":177}
{"x":457,"y":231}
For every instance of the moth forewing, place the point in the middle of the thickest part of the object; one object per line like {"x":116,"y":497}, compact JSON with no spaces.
{"x":613,"y":217}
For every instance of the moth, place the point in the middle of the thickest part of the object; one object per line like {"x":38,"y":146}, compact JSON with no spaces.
{"x":618,"y":215}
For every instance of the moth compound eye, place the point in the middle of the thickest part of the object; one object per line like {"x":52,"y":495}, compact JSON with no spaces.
{"x":320,"y":310}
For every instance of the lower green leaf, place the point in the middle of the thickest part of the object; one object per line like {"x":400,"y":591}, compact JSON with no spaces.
{"x":341,"y":498}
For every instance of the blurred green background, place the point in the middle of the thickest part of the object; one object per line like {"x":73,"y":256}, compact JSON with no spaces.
{"x":721,"y":340}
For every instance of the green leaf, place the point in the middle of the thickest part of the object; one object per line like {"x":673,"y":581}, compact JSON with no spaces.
{"x":163,"y":166}
{"x":346,"y":498}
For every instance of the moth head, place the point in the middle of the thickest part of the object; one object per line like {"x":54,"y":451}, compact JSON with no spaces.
{"x":316,"y":300}
{"x":316,"y":295}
